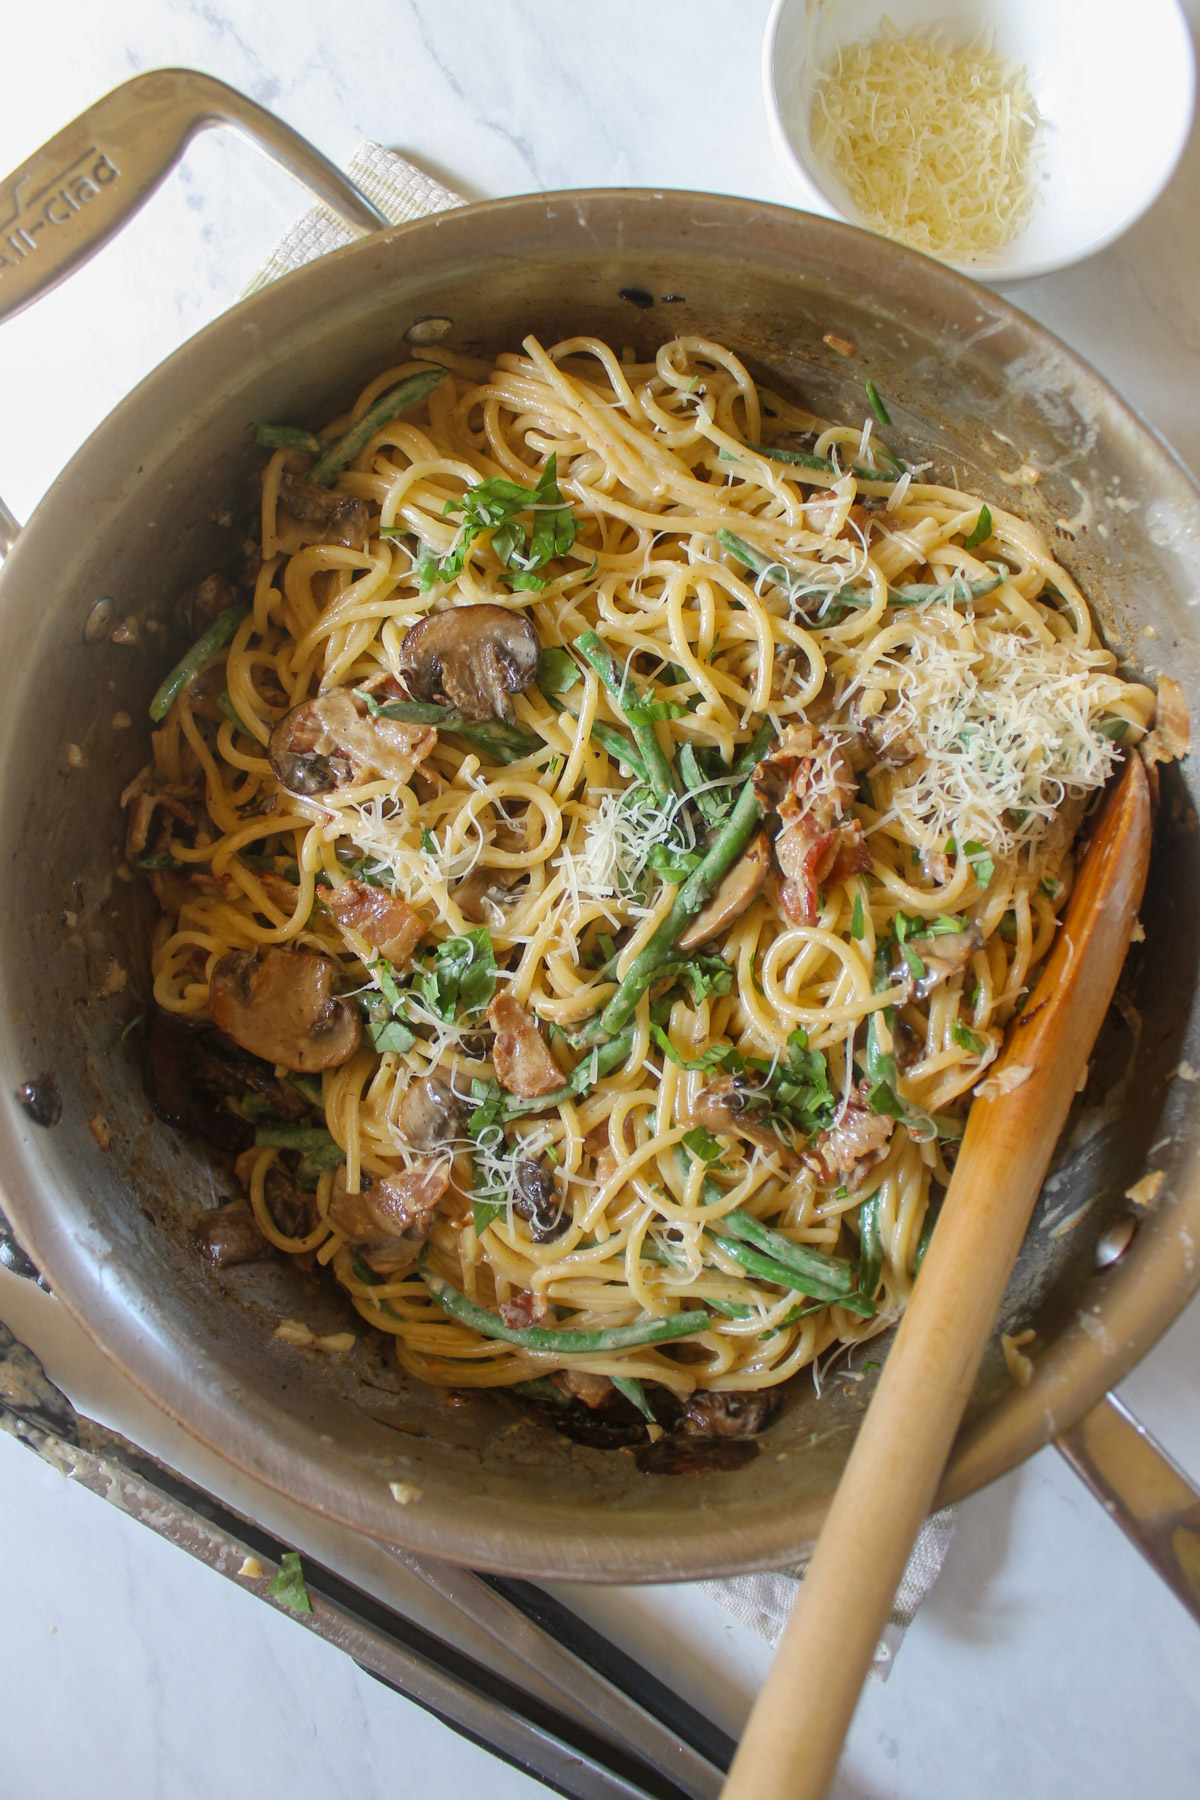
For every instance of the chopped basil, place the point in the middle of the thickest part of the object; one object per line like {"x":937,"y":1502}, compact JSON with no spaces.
{"x":497,"y":506}
{"x":981,"y":531}
{"x":702,"y":1145}
{"x":877,"y":406}
{"x":557,"y":671}
{"x":857,"y":921}
{"x":288,"y":1586}
{"x":967,"y":1039}
{"x":461,"y":978}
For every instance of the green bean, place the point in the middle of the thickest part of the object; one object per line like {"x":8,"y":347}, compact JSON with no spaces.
{"x":217,"y":635}
{"x":313,"y":1163}
{"x":542,"y":1388}
{"x":232,"y":714}
{"x":292,"y":1137}
{"x":755,"y":750}
{"x":767,"y":1269}
{"x":507,"y":743}
{"x":870,"y":1259}
{"x":618,"y":746}
{"x":659,"y":772}
{"x":932,"y":1214}
{"x":832,"y":1272}
{"x":291,"y":437}
{"x":309,"y":1087}
{"x":561,"y":1343}
{"x":397,"y":400}
{"x":918,"y":593}
{"x":728,"y":845}
{"x":803,"y":459}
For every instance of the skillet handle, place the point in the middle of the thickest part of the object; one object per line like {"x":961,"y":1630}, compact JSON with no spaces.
{"x":1142,"y":1491}
{"x":72,"y":195}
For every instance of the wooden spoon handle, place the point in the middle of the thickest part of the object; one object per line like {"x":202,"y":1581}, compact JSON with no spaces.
{"x":792,"y":1743}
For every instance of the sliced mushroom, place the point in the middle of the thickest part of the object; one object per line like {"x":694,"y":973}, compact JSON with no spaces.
{"x":727,"y":1104}
{"x":538,"y":1202}
{"x":472,"y":658}
{"x":1171,"y":737}
{"x":486,"y":894}
{"x":332,"y":742}
{"x":520,"y":1058}
{"x":389,"y":924}
{"x":308,"y":514}
{"x":389,"y":1218}
{"x":733,"y":896}
{"x":944,"y":954}
{"x":733,"y":1415}
{"x":280,"y":1005}
{"x":432,"y":1115}
{"x":230,"y":1235}
{"x":696,"y":1456}
{"x":890,"y":743}
{"x":189,"y":1075}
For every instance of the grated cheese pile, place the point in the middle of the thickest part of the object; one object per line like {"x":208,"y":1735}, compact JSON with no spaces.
{"x":1007,"y":729}
{"x":932,"y":143}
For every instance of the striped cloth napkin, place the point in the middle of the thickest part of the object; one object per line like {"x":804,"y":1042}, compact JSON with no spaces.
{"x":763,"y":1602}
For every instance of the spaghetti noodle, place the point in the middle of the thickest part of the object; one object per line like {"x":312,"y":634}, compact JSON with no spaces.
{"x":668,"y":928}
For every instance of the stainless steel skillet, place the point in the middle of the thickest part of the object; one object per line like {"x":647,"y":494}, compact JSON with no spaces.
{"x":137,"y":515}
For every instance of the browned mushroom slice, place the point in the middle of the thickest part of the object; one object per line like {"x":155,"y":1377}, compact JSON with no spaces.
{"x":726,"y":1105}
{"x":432,"y":1115}
{"x":944,"y":954}
{"x":539,"y":1203}
{"x":1171,"y":736}
{"x":472,"y":658}
{"x":696,"y":1456}
{"x":734,"y":894}
{"x":389,"y":1218}
{"x":890,"y":743}
{"x":230,"y":1235}
{"x":733,"y":1415}
{"x":389,"y":924}
{"x":308,"y":514}
{"x":485,"y":894}
{"x":280,"y":1005}
{"x":332,"y":742}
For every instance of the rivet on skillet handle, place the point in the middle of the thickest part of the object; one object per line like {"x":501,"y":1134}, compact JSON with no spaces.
{"x":81,"y":187}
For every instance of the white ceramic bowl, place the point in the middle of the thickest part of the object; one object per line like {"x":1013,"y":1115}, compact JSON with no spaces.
{"x":1114,"y":86}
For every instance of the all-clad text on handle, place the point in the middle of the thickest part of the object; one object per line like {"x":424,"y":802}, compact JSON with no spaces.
{"x":61,"y":205}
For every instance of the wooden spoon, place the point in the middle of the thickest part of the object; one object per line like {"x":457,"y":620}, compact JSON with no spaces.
{"x":792,"y":1742}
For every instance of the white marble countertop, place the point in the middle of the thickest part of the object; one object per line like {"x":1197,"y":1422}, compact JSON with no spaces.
{"x":1048,"y":1662}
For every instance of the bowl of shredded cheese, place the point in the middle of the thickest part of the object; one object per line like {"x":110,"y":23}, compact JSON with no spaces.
{"x":1008,"y":138}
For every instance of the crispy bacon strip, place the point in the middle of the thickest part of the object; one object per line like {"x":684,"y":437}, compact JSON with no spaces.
{"x":522,"y":1062}
{"x":808,"y":782}
{"x":389,"y":924}
{"x":849,"y":1150}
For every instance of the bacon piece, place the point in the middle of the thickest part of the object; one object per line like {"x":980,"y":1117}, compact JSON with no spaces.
{"x":389,"y":924}
{"x":851,"y":1149}
{"x":809,"y":783}
{"x":522,"y":1062}
{"x":141,"y":816}
{"x":523,"y":1310}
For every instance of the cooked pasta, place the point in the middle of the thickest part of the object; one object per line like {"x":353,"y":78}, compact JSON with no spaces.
{"x":651,"y":960}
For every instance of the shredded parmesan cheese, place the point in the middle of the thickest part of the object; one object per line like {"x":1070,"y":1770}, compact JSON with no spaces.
{"x":932,"y":143}
{"x":1008,"y":728}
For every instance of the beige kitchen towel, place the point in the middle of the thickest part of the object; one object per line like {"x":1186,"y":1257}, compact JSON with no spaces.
{"x":763,"y":1602}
